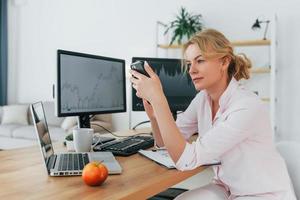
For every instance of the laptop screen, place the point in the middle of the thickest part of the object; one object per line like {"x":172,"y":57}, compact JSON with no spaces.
{"x":41,"y":127}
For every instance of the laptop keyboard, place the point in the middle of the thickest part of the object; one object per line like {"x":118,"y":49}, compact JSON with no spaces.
{"x":72,"y":162}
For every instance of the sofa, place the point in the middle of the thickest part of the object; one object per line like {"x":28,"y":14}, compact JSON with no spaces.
{"x":17,"y":130}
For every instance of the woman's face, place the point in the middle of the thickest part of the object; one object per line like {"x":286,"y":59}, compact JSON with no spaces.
{"x":205,"y":73}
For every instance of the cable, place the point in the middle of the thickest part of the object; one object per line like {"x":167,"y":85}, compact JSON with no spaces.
{"x":91,"y":116}
{"x":147,"y":121}
{"x":119,"y":135}
{"x":107,"y":130}
{"x":143,"y":122}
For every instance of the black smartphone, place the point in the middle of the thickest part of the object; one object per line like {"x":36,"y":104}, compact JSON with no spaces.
{"x":139,"y":67}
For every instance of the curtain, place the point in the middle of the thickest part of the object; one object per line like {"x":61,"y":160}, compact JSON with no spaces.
{"x":3,"y":52}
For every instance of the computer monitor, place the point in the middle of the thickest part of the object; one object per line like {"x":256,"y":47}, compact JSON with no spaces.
{"x":177,"y":84}
{"x":88,"y":85}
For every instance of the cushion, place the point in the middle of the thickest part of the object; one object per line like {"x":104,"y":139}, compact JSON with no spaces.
{"x":68,"y":123}
{"x":290,"y":151}
{"x":28,"y":132}
{"x":15,"y":114}
{"x":7,"y":129}
{"x":12,"y":143}
{"x":25,"y":132}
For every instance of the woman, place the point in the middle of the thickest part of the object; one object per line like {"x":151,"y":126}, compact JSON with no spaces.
{"x":232,"y":122}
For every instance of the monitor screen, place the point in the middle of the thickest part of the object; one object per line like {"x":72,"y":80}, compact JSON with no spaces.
{"x":39,"y":120}
{"x":90,"y":84}
{"x":177,"y":84}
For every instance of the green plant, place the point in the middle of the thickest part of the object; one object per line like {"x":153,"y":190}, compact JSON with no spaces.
{"x":185,"y":24}
{"x":69,"y":137}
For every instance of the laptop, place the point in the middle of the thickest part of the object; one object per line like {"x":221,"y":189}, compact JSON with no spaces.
{"x":70,"y":163}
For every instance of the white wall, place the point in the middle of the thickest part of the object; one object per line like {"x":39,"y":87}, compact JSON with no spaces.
{"x":122,"y":29}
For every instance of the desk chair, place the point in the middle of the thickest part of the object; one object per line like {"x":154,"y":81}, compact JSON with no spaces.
{"x":290,"y":151}
{"x":168,"y":194}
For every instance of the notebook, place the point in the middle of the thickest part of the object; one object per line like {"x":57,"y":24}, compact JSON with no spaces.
{"x":162,"y":157}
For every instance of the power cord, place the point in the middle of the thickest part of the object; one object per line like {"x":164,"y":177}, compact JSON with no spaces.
{"x":143,"y":122}
{"x":91,"y":116}
{"x":148,"y":121}
{"x":119,"y":135}
{"x":107,"y":130}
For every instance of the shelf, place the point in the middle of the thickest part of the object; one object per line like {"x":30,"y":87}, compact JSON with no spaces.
{"x":172,"y":46}
{"x":265,"y":99}
{"x":234,"y":43}
{"x":260,"y":70}
{"x":251,"y":43}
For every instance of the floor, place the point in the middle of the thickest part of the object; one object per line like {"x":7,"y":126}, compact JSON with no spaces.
{"x":197,"y":180}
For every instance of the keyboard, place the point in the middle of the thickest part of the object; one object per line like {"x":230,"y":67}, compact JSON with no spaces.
{"x":126,"y":146}
{"x":71,"y":162}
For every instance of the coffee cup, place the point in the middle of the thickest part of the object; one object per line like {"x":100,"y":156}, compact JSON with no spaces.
{"x":83,"y":139}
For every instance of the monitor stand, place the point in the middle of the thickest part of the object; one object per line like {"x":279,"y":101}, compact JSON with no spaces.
{"x":84,"y":121}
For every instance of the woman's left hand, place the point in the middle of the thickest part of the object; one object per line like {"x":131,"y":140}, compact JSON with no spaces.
{"x":148,"y":88}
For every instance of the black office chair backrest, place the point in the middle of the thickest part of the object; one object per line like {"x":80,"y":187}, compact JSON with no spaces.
{"x":169,"y":194}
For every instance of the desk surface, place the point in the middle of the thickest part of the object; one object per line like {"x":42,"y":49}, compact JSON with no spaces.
{"x":22,"y":174}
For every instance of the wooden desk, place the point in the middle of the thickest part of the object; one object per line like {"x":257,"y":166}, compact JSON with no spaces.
{"x":22,"y":175}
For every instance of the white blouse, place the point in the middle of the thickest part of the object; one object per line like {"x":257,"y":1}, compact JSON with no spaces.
{"x":240,"y":137}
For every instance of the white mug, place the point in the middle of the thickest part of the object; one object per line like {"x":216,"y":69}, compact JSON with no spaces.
{"x":83,"y":139}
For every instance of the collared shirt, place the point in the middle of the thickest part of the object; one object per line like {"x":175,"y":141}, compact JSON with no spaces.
{"x":239,"y":136}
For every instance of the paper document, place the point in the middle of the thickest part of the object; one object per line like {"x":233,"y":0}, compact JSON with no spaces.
{"x":160,"y":156}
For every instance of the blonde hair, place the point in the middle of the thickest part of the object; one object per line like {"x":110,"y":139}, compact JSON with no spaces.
{"x":214,"y":44}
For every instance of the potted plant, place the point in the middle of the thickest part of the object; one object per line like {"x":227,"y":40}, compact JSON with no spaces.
{"x":69,"y":142}
{"x":185,"y":25}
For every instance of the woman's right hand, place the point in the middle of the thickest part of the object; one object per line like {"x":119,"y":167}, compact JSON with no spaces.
{"x":149,"y":110}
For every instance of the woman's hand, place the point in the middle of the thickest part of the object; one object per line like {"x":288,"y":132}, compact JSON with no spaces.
{"x":148,"y":88}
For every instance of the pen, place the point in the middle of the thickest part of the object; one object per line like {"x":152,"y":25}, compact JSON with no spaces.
{"x":154,"y":150}
{"x":212,"y":164}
